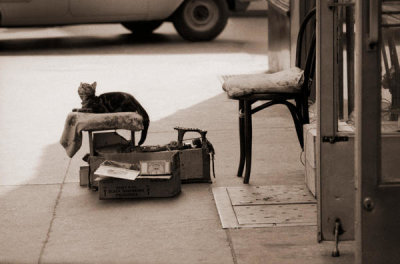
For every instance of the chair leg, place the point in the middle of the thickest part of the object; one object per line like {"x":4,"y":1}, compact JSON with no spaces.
{"x":248,"y":139}
{"x":297,"y":119}
{"x":241,"y":138}
{"x":300,"y":136}
{"x":299,"y":130}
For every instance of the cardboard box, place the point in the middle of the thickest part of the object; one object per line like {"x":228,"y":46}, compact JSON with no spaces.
{"x":194,"y":165}
{"x":310,"y":135}
{"x":144,"y":186}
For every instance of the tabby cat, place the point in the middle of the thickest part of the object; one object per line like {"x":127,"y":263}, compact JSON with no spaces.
{"x":111,"y":103}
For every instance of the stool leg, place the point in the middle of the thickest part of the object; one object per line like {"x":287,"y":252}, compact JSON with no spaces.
{"x":91,"y":154}
{"x":241,"y":138}
{"x":248,"y":139}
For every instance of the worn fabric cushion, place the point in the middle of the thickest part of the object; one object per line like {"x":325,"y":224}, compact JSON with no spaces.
{"x":77,"y":122}
{"x":286,"y":81}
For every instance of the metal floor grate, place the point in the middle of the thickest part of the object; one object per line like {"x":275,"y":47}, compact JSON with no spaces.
{"x":265,"y":206}
{"x":274,"y":194}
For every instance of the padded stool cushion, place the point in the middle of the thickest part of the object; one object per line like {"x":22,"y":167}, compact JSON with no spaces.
{"x":286,"y":81}
{"x":77,"y":122}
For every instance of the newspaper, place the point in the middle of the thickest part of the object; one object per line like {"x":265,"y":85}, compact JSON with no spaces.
{"x":119,"y":170}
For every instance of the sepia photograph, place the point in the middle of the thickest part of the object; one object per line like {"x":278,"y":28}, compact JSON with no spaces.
{"x":200,"y":131}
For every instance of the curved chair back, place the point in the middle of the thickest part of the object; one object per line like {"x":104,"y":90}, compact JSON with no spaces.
{"x":309,"y":66}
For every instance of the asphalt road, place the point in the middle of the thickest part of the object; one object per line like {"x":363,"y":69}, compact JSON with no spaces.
{"x":41,"y":68}
{"x":242,"y":34}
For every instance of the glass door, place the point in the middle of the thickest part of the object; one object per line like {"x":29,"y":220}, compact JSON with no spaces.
{"x":377,"y":148}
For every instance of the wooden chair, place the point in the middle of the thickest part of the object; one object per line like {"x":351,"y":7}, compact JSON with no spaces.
{"x":282,"y":87}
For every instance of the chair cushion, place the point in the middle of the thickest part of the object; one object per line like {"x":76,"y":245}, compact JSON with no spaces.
{"x":286,"y":81}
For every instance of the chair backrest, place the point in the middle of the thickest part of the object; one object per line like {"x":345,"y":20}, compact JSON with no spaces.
{"x":309,"y":65}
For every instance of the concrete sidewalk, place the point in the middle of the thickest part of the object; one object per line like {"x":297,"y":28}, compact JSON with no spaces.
{"x":65,"y":223}
{"x":46,"y":217}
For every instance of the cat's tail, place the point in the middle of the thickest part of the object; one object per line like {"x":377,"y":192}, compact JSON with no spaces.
{"x":146,"y":123}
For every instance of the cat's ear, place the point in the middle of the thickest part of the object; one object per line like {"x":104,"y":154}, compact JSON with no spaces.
{"x":94,"y":84}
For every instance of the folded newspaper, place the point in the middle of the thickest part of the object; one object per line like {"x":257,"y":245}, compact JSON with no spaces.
{"x":154,"y":169}
{"x":119,"y":170}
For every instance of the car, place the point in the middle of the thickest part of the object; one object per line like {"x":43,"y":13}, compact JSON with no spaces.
{"x":194,"y":20}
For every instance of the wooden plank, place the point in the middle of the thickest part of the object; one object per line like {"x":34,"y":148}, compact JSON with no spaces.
{"x":224,"y":207}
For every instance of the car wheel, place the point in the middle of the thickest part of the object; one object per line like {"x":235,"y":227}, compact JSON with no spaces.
{"x":142,"y":27}
{"x":201,"y":20}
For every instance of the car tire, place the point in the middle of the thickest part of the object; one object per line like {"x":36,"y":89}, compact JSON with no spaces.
{"x":142,"y":27}
{"x":201,"y":20}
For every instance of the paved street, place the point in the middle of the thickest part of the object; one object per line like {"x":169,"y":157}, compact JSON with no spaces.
{"x":48,"y":218}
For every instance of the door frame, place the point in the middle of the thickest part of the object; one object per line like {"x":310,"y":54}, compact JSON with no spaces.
{"x":335,"y":159}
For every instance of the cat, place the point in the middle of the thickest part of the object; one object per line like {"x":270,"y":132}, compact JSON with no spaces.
{"x":112,"y":102}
